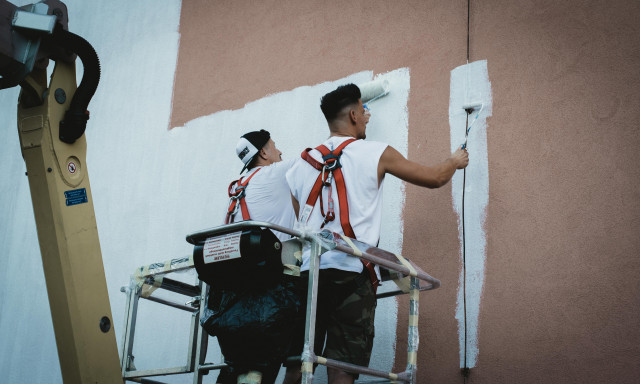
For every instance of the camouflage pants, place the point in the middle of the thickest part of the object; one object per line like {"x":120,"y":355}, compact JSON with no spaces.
{"x":345,"y":316}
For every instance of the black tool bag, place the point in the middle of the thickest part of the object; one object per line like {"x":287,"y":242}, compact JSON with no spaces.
{"x":251,"y":302}
{"x":259,"y":264}
{"x":253,"y":327}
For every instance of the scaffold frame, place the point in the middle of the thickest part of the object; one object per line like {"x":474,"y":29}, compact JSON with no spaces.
{"x":148,"y":278}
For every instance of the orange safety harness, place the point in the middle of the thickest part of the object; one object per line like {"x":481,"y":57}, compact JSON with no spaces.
{"x":236,"y":199}
{"x":331,"y":168}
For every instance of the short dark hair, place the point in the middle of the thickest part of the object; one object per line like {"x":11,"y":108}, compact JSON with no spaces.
{"x":333,"y":102}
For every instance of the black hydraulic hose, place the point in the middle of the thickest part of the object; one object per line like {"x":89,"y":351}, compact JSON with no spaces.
{"x":75,"y":119}
{"x":9,"y":67}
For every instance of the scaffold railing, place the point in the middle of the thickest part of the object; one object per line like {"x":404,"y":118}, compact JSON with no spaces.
{"x":146,"y":279}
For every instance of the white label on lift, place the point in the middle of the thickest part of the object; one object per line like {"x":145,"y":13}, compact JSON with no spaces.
{"x":221,"y":248}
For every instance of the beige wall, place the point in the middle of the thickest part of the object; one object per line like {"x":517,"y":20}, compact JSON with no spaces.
{"x":561,"y":296}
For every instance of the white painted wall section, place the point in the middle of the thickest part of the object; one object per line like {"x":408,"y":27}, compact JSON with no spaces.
{"x":470,"y":84}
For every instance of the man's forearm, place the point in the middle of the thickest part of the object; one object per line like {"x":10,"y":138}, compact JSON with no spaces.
{"x":445,"y":172}
{"x":425,"y":176}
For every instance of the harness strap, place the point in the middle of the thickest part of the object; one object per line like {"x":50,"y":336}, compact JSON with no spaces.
{"x":332,"y":168}
{"x":236,"y":199}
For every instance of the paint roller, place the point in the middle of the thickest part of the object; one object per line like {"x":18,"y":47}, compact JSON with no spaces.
{"x":373,"y":90}
{"x":469,"y":108}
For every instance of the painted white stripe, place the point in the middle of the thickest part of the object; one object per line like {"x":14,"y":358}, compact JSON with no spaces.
{"x":470,"y":84}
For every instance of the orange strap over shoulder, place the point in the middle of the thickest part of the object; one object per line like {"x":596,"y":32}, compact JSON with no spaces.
{"x":236,"y":198}
{"x":332,"y":168}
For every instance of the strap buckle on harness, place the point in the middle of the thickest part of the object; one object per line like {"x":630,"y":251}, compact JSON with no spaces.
{"x":238,"y":194}
{"x":236,"y":198}
{"x":326,"y":180}
{"x":235,"y":210}
{"x":332,"y":161}
{"x":331,"y":214}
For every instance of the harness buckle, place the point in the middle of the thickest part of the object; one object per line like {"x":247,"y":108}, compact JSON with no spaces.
{"x":238,"y":194}
{"x":327,"y":181}
{"x":329,"y":217}
{"x":332,"y":162}
{"x":235,"y":210}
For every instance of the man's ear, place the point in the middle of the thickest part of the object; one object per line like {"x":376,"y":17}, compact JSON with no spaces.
{"x":352,"y":115}
{"x":262,"y":153}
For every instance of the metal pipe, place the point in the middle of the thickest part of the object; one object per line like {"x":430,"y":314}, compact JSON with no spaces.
{"x":202,"y":338}
{"x":378,"y":381}
{"x":201,"y":236}
{"x":179,"y":287}
{"x":308,"y":353}
{"x":194,"y":331}
{"x":171,"y":304}
{"x":133,"y":297}
{"x":413,"y":337}
{"x":129,"y":375}
{"x":208,"y":367}
{"x":434,"y":283}
{"x":403,"y":376}
{"x":145,"y":381}
{"x":398,"y":292}
{"x":176,"y":265}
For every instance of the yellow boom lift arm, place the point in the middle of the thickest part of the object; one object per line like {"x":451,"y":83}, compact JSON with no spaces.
{"x":51,"y":122}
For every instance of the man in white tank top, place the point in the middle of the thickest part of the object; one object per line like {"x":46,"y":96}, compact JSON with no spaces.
{"x":265,"y":197}
{"x":267,"y":194}
{"x":346,"y":302}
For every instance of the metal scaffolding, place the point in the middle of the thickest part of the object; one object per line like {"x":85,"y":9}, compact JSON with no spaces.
{"x":149,"y":278}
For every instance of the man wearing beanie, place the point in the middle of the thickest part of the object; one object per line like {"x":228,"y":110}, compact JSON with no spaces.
{"x":349,"y":203}
{"x":251,"y":345}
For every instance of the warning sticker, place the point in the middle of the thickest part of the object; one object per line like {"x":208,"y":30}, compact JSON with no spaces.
{"x":222,"y":248}
{"x":71,"y":166}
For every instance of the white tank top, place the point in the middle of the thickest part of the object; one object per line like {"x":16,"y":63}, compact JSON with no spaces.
{"x":268,"y":197}
{"x":360,"y":169}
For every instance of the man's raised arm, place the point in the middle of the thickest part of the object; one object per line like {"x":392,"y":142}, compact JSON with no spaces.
{"x":435,"y":176}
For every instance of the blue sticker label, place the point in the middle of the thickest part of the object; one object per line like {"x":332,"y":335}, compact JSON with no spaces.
{"x":76,"y":196}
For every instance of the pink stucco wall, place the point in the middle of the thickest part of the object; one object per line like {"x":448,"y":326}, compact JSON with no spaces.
{"x":561,"y":301}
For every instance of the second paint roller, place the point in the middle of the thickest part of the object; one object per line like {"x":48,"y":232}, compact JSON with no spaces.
{"x":373,"y":90}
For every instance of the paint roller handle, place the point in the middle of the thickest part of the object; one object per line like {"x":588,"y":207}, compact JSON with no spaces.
{"x":470,"y":108}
